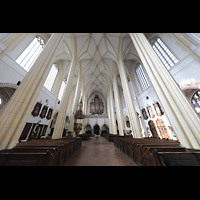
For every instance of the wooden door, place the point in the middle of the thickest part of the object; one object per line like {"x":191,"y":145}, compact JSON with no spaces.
{"x":96,"y":129}
{"x":153,"y":129}
{"x":25,"y":131}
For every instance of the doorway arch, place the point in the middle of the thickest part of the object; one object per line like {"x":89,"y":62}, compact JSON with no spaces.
{"x":88,"y":130}
{"x":96,"y":129}
{"x":104,"y":129}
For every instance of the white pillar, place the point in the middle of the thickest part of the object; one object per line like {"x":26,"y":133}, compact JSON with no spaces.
{"x":112,"y":111}
{"x":109,"y":115}
{"x":75,"y":102}
{"x":134,"y":122}
{"x":18,"y":109}
{"x":118,"y":105}
{"x":11,"y":42}
{"x":182,"y":116}
{"x":60,"y":122}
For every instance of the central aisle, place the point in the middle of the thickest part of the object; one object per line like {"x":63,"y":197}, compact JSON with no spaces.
{"x":102,"y":154}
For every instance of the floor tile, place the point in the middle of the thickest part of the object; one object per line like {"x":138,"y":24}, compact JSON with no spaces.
{"x":102,"y":154}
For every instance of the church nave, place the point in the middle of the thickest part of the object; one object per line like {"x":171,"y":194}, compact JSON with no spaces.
{"x":138,"y":92}
{"x":103,"y":153}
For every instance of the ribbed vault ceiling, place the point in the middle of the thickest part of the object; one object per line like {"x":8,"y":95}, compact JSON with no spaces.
{"x":96,"y":53}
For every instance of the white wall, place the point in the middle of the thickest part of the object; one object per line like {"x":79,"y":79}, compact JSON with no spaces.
{"x":187,"y":69}
{"x":11,"y":72}
{"x":100,"y":120}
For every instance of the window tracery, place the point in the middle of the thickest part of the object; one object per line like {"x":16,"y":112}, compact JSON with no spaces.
{"x":30,"y":54}
{"x":196,"y":101}
{"x":166,"y":56}
{"x":51,"y":77}
{"x":142,"y":77}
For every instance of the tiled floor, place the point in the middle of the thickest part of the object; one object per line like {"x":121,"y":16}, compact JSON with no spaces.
{"x":102,"y":154}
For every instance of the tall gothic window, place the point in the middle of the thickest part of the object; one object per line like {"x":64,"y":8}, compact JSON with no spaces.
{"x":30,"y":54}
{"x":51,"y":77}
{"x":142,"y":77}
{"x":196,"y":101}
{"x":166,"y":56}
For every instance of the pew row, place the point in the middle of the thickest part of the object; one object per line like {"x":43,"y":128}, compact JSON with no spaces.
{"x":157,"y":152}
{"x":44,"y":152}
{"x":109,"y":137}
{"x":84,"y":136}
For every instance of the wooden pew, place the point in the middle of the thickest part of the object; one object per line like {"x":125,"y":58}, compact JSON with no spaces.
{"x":137,"y":149}
{"x":148,"y":156}
{"x":109,"y":137}
{"x":45,"y":152}
{"x":177,"y":158}
{"x":157,"y":152}
{"x":61,"y":148}
{"x":84,"y":136}
{"x":68,"y":146}
{"x":56,"y":158}
{"x":26,"y":159}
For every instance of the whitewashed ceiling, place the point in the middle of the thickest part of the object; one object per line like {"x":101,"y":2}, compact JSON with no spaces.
{"x":96,"y":53}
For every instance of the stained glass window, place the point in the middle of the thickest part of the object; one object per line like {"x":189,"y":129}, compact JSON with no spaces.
{"x":196,"y":101}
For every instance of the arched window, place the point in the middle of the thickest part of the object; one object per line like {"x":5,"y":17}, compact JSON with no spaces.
{"x":51,"y":77}
{"x":196,"y":101}
{"x":30,"y":54}
{"x":142,"y":77}
{"x":166,"y":56}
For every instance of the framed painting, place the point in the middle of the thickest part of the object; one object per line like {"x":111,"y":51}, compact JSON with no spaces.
{"x":158,"y":109}
{"x":44,"y":111}
{"x":36,"y":109}
{"x":50,"y":111}
{"x":144,"y":113}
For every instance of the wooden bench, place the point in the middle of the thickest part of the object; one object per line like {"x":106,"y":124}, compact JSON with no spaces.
{"x":145,"y":156}
{"x":177,"y":158}
{"x":57,"y":152}
{"x":53,"y":152}
{"x":109,"y":137}
{"x":26,"y":159}
{"x":84,"y":136}
{"x":157,"y":152}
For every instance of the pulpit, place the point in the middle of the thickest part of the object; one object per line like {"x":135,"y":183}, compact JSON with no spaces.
{"x":78,"y":120}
